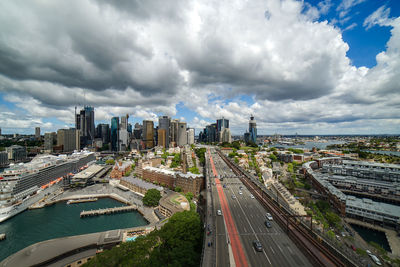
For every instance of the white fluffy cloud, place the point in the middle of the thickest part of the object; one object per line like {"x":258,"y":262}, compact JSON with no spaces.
{"x":143,"y":58}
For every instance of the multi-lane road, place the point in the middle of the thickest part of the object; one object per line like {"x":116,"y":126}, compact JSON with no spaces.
{"x":242,"y":222}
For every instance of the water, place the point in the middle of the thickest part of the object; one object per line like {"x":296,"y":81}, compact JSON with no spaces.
{"x":310,"y":145}
{"x":384,"y":152}
{"x":61,"y":220}
{"x":372,"y":235}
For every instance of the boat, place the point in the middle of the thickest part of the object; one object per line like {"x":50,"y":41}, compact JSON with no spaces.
{"x":24,"y":184}
{"x":2,"y":236}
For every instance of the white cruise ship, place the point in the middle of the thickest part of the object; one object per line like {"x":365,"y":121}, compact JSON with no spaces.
{"x":22,"y":185}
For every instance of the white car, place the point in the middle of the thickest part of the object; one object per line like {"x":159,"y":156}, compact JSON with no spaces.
{"x":219,"y":212}
{"x":269,"y":217}
{"x":251,"y":196}
{"x":240,"y":192}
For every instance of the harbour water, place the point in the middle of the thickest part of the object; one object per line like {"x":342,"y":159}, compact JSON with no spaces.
{"x":372,"y":235}
{"x":61,"y":220}
{"x":310,"y":145}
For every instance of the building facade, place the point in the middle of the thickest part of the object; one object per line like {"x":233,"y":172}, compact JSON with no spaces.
{"x":50,"y":139}
{"x":164,"y":123}
{"x":67,"y":139}
{"x":37,"y":133}
{"x":84,"y":122}
{"x":252,"y":129}
{"x":115,"y":133}
{"x":190,"y":136}
{"x":16,"y":153}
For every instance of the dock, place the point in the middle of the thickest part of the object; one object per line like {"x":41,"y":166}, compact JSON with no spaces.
{"x":2,"y":236}
{"x":82,"y":200}
{"x":107,"y":211}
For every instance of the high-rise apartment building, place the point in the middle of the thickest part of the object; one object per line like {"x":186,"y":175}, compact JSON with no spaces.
{"x":115,"y":133}
{"x":182,"y":136}
{"x":225,"y":136}
{"x":252,"y":130}
{"x":84,"y":122}
{"x":221,"y":124}
{"x":67,"y":138}
{"x":37,"y":133}
{"x":164,"y":123}
{"x":148,"y":133}
{"x":50,"y":139}
{"x":190,"y":136}
{"x":137,"y":131}
{"x":0,"y":131}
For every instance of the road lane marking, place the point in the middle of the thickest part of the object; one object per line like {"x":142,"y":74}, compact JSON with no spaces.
{"x":272,"y":250}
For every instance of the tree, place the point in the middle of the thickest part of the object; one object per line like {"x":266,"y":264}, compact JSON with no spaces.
{"x":110,"y":162}
{"x":273,"y":157}
{"x":151,"y":198}
{"x":189,"y":196}
{"x":178,"y":189}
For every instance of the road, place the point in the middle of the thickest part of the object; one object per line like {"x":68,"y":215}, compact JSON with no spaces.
{"x":249,"y":221}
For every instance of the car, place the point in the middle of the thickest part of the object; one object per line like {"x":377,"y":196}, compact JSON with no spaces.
{"x":257,"y":245}
{"x":268,"y":224}
{"x":269,"y":217}
{"x":224,"y":185}
{"x":240,"y":192}
{"x":375,"y":259}
{"x":233,"y":197}
{"x":240,"y":187}
{"x":251,"y":196}
{"x":219,"y":212}
{"x":368,"y":252}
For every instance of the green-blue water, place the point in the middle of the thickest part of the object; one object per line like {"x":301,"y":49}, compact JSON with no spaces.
{"x":372,"y":235}
{"x":61,"y":220}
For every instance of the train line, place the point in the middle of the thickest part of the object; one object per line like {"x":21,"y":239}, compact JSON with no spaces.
{"x":316,"y":252}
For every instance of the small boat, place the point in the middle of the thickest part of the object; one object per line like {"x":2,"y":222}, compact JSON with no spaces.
{"x":2,"y":236}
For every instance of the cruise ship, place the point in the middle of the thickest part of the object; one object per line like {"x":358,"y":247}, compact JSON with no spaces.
{"x":21,"y":185}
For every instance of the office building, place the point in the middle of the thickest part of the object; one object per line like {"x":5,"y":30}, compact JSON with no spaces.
{"x":50,"y":139}
{"x":84,"y":122}
{"x":115,"y":133}
{"x":182,"y":136}
{"x":211,"y":131}
{"x":162,"y":138}
{"x":67,"y":138}
{"x":252,"y":130}
{"x":164,"y":123}
{"x":37,"y":133}
{"x":3,"y":159}
{"x":123,"y":133}
{"x":148,"y":134}
{"x":190,"y":136}
{"x":174,"y":132}
{"x":16,"y":153}
{"x":225,"y":136}
{"x":221,"y":124}
{"x":103,"y":132}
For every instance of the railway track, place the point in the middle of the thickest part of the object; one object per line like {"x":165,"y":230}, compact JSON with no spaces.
{"x":313,"y":248}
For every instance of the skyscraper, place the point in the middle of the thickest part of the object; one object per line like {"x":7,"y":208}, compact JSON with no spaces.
{"x":68,"y":139}
{"x":173,"y":132}
{"x":162,"y":137}
{"x":252,"y":129}
{"x":123,"y":133}
{"x":190,"y":136}
{"x":50,"y":140}
{"x":84,"y":121}
{"x":182,"y":136}
{"x":221,"y":124}
{"x":148,"y":133}
{"x":37,"y":133}
{"x":114,"y":133}
{"x":164,"y":124}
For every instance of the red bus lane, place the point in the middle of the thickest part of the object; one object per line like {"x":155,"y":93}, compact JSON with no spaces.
{"x":237,"y":249}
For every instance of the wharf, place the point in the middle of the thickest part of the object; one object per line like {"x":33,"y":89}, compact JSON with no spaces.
{"x":2,"y":236}
{"x":82,"y":200}
{"x":90,"y":213}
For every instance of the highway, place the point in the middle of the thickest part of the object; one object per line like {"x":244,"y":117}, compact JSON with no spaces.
{"x":249,"y":222}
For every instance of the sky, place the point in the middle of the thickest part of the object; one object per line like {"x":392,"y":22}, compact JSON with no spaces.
{"x":306,"y":67}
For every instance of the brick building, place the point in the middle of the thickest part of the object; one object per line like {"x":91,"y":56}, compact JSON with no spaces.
{"x":120,"y":169}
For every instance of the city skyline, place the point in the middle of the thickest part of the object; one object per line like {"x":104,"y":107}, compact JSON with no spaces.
{"x":312,"y":67}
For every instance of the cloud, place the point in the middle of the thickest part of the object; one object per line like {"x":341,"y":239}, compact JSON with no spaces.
{"x":143,"y":58}
{"x":350,"y":27}
{"x":379,"y":17}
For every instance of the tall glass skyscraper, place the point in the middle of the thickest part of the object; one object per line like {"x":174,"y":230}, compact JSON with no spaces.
{"x":253,"y":129}
{"x":115,"y":133}
{"x":84,"y":121}
{"x":164,"y":124}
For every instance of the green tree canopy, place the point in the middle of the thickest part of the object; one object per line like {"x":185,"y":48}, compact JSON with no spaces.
{"x":152,"y":197}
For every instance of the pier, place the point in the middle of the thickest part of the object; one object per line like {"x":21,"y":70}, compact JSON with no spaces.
{"x":82,"y":200}
{"x":90,"y":213}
